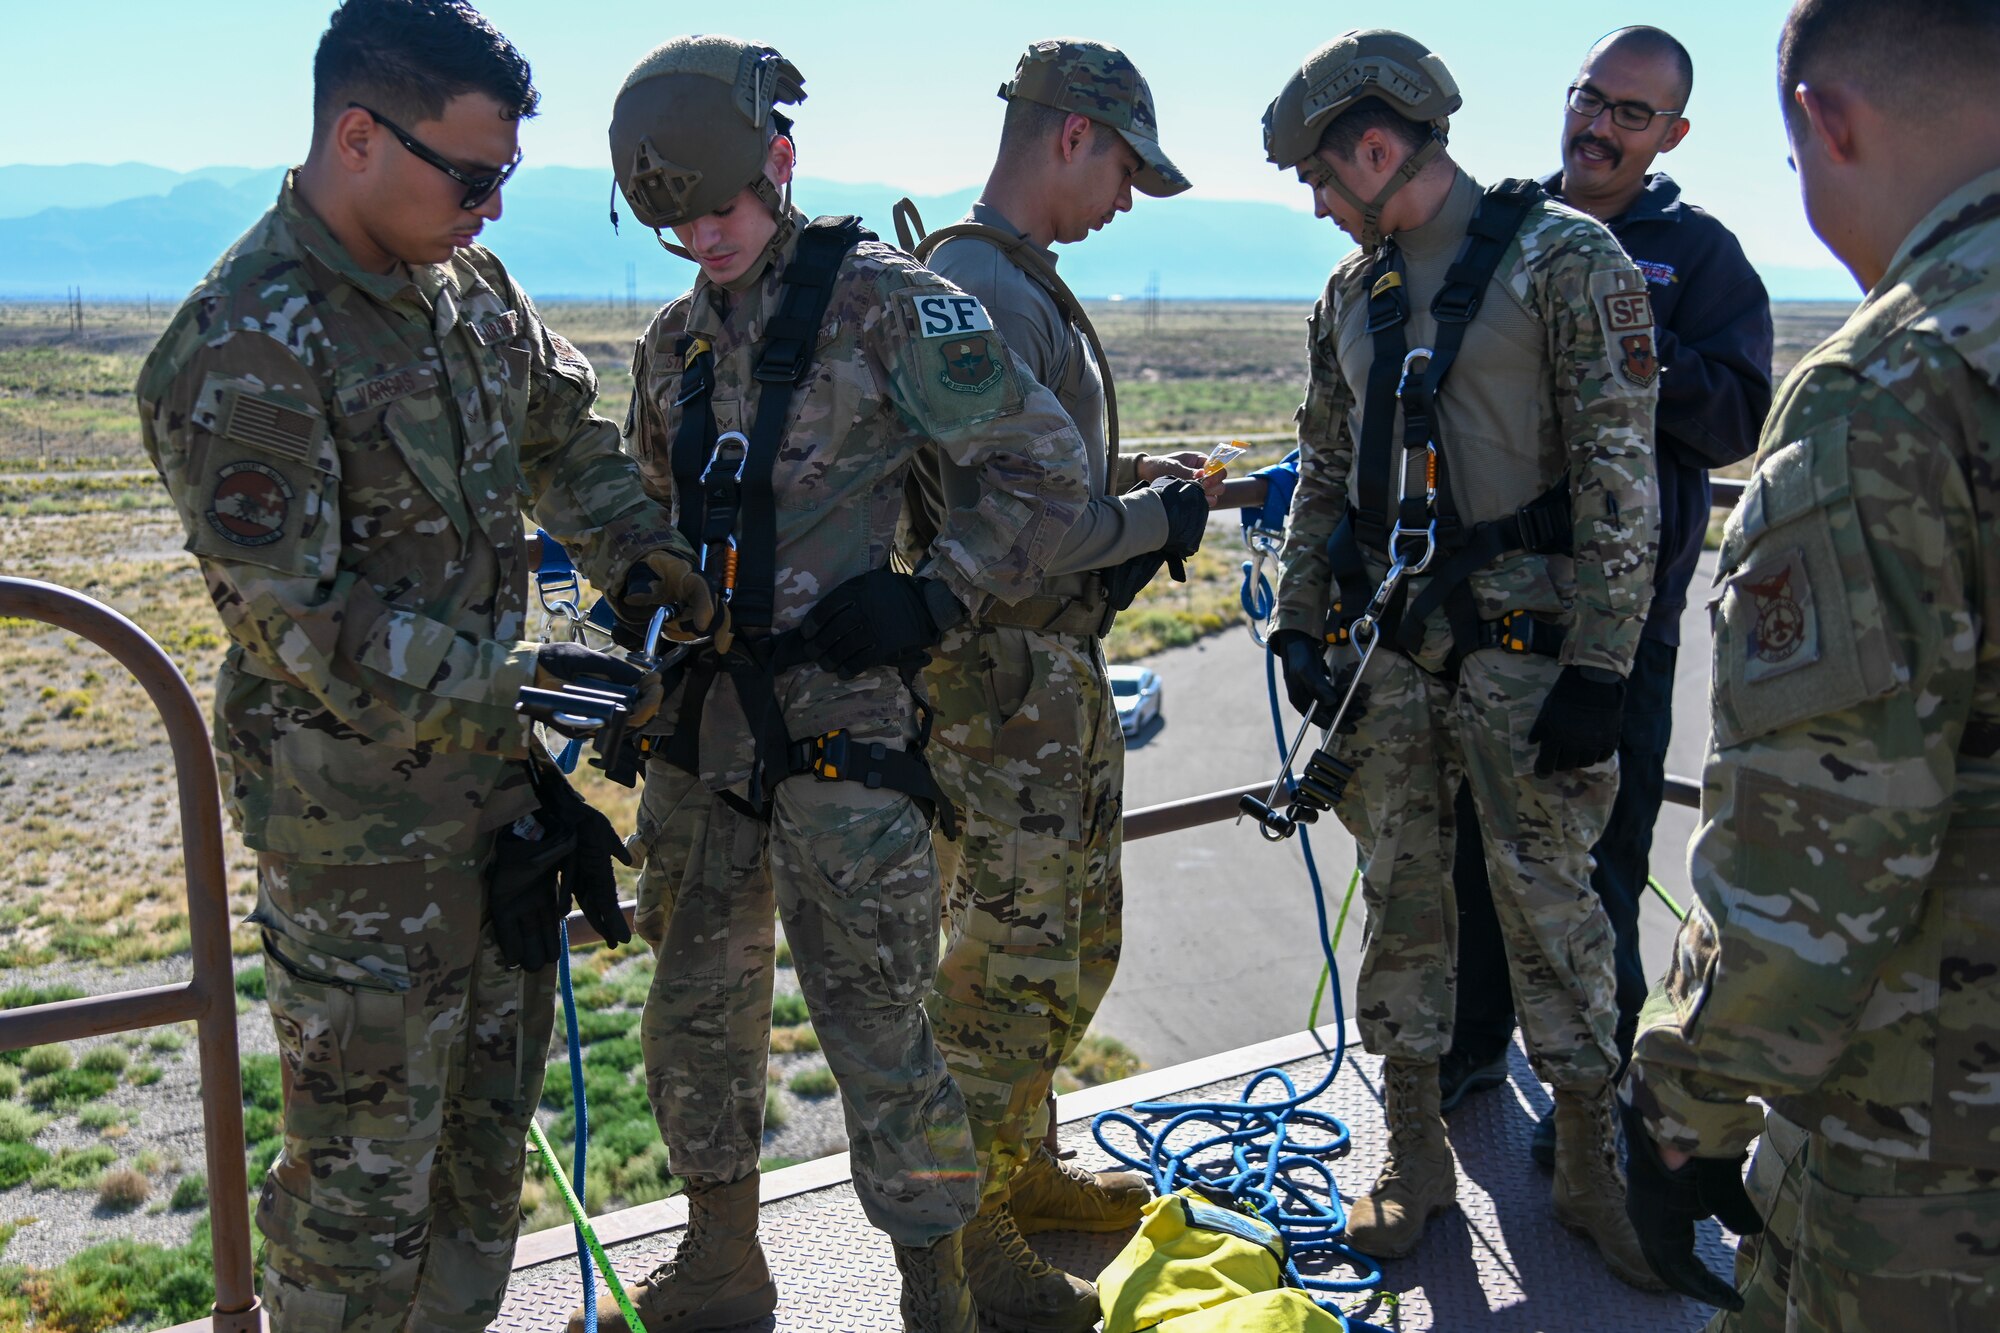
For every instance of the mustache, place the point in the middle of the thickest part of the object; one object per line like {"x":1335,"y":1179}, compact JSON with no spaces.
{"x":1603,"y":145}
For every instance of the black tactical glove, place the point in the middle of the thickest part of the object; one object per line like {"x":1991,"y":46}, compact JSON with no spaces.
{"x":587,"y":876}
{"x":1187,"y":515}
{"x":1578,"y":724}
{"x":663,"y":579}
{"x":1664,"y":1206}
{"x":560,"y":664}
{"x":881,"y":618}
{"x":1124,"y":581}
{"x":524,"y":893}
{"x":1307,"y":682}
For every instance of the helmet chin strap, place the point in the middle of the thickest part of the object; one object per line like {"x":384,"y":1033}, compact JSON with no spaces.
{"x":1371,"y":210}
{"x":781,"y":209}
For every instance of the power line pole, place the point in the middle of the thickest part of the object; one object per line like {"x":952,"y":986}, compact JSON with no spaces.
{"x":631,"y":288}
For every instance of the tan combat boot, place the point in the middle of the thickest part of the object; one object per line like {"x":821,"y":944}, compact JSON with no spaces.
{"x":716,"y":1279}
{"x":935,"y":1297}
{"x":1589,"y":1193}
{"x":1419,"y":1180}
{"x":1016,"y":1289}
{"x":1049,"y":1194}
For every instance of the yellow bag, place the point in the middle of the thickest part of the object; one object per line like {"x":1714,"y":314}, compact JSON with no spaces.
{"x":1287,"y":1310}
{"x":1196,"y":1268}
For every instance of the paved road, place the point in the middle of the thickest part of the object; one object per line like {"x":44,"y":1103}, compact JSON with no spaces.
{"x":1221,"y":948}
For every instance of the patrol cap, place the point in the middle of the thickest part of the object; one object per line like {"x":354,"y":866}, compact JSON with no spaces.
{"x":1398,"y":71}
{"x":691,"y":126}
{"x":1101,"y":82}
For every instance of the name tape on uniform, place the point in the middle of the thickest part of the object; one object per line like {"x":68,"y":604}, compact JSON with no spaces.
{"x":950,"y":315}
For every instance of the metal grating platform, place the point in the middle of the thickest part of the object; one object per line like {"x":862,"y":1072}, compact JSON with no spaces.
{"x":1500,"y":1262}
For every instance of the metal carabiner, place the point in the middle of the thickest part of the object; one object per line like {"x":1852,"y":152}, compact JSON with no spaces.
{"x":715,"y":455}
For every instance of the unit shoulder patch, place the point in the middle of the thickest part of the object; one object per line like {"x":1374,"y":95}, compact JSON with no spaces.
{"x":968,"y":365}
{"x":1783,"y":633}
{"x":249,"y":503}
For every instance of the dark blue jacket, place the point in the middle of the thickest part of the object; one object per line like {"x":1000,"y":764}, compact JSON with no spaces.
{"x":1712,"y":322}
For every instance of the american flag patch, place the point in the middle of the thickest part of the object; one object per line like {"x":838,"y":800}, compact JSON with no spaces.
{"x":266,"y":425}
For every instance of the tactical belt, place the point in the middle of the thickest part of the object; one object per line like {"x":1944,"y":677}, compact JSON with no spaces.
{"x":729,"y":514}
{"x":1542,"y":526}
{"x":1087,"y":615}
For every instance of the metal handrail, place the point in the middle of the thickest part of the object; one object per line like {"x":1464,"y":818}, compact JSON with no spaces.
{"x":210,"y":998}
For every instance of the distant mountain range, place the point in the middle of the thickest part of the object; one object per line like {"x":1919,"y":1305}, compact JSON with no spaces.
{"x":133,"y":230}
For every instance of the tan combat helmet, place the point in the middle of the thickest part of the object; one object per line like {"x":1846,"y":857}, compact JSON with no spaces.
{"x":1100,"y":82}
{"x":1398,"y":71}
{"x":692,"y":126}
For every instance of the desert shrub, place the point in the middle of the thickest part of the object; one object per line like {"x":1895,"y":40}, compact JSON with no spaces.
{"x":816,"y":1082}
{"x":190,"y":1192}
{"x":122,"y":1189}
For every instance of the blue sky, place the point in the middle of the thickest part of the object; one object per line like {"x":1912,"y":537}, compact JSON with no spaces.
{"x":903,"y":93}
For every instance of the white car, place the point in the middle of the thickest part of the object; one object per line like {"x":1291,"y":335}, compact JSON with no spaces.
{"x":1136,"y":691}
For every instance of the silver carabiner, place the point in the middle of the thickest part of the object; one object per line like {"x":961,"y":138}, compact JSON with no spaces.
{"x":715,"y":456}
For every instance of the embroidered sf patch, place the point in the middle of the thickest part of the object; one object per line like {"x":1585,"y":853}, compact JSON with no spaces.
{"x":250,"y":503}
{"x":1783,"y":625}
{"x":969,"y":366}
{"x":950,"y":315}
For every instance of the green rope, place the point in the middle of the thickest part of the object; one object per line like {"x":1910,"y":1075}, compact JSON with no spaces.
{"x":576,"y":1214}
{"x":1340,"y":924}
{"x":1680,"y":913}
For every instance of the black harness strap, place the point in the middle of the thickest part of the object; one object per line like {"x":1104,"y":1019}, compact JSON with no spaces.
{"x":1388,"y":312}
{"x":1541,"y":526}
{"x":731,"y":517}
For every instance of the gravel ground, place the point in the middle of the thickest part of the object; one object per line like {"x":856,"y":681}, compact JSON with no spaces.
{"x":166,"y":1120}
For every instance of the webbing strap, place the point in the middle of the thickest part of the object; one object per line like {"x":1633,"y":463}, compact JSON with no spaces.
{"x":783,"y":361}
{"x":1024,"y":256}
{"x":1494,"y":224}
{"x":734,"y":498}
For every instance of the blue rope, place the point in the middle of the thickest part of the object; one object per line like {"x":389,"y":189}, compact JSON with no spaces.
{"x":582,"y":1118}
{"x":1256,"y":596}
{"x":1250,"y":1153}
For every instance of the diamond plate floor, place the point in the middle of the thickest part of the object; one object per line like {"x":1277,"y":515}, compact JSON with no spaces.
{"x":1500,"y":1262}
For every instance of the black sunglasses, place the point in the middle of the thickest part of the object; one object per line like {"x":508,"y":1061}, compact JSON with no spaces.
{"x":1590,"y":104}
{"x":478,"y":189}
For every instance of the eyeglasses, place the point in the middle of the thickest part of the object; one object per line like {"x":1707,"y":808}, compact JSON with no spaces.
{"x":1590,"y":104}
{"x":478,"y":189}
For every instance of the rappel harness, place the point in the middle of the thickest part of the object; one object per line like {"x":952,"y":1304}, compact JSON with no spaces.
{"x":1421,"y":533}
{"x":729,"y":514}
{"x":1420,"y":530}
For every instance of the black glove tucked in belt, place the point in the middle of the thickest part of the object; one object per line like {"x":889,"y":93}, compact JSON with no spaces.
{"x":544,"y":861}
{"x":880,"y":618}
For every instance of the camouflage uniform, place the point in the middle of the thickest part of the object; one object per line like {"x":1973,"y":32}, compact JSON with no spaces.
{"x":1840,"y":961}
{"x":850,"y":869}
{"x":351,"y":455}
{"x":1029,"y":747}
{"x":1534,"y":394}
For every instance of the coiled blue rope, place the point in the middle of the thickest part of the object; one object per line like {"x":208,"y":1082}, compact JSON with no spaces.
{"x":1252,"y":1150}
{"x":582,"y":1110}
